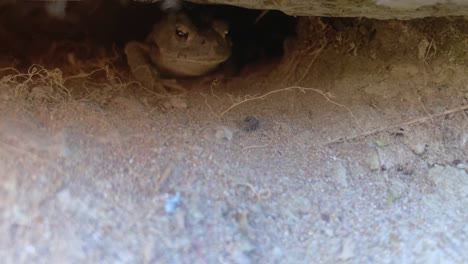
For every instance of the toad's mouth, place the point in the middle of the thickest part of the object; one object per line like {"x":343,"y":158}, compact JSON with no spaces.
{"x":174,"y":57}
{"x":195,"y":60}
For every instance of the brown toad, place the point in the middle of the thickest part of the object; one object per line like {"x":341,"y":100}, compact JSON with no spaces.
{"x":177,"y":47}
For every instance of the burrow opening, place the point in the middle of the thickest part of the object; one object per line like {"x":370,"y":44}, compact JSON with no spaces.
{"x":35,"y":33}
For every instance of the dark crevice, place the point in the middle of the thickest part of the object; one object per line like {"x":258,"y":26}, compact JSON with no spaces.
{"x":28,"y":30}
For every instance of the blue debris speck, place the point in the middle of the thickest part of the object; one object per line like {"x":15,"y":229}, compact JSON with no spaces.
{"x":172,"y":202}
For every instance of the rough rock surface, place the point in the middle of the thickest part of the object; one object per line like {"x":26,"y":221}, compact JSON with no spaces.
{"x":380,"y":9}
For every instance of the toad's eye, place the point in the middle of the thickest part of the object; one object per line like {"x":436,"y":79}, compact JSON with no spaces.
{"x":221,"y":27}
{"x":182,"y":34}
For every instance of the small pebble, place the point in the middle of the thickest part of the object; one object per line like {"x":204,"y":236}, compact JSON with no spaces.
{"x":339,"y":174}
{"x":325,"y":217}
{"x":347,"y":249}
{"x":373,"y":161}
{"x":176,"y":102}
{"x":224,"y":133}
{"x":418,"y":149}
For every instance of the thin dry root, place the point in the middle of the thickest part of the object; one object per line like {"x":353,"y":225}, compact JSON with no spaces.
{"x":258,"y":146}
{"x":291,"y":88}
{"x":167,"y":171}
{"x":37,"y":75}
{"x":260,"y":195}
{"x":462,"y":109}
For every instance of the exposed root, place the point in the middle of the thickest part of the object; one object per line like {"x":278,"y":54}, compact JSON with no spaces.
{"x":31,"y":155}
{"x":258,"y":146}
{"x":213,"y":84}
{"x":37,"y":76}
{"x":259,"y":17}
{"x":315,"y":54}
{"x":406,"y":123}
{"x":165,"y":174}
{"x":208,"y":105}
{"x":260,"y":195}
{"x":55,"y":87}
{"x":291,"y":88}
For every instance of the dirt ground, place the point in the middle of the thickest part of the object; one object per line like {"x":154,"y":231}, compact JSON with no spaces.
{"x":350,"y":148}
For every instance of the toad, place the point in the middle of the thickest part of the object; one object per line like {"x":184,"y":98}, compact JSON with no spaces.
{"x":178,"y":48}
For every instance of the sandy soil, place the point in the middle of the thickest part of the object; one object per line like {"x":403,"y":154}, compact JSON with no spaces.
{"x":352,"y":148}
